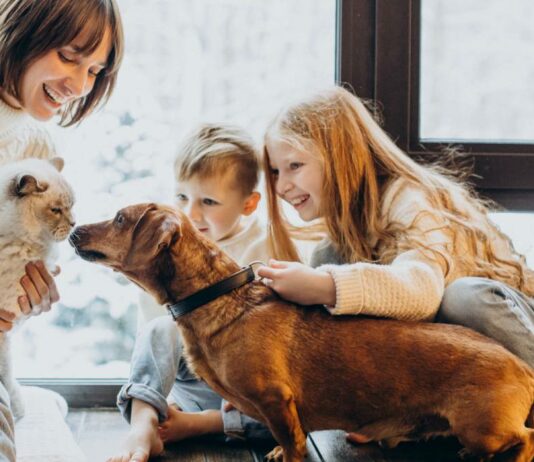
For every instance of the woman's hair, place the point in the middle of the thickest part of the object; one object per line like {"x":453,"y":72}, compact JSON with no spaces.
{"x":215,"y":150}
{"x":359,"y":162}
{"x":31,"y":28}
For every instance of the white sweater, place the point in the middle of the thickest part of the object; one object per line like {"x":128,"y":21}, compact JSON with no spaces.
{"x":22,"y":137}
{"x":411,"y":286}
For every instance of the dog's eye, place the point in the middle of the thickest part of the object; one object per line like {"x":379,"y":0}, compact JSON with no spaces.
{"x":119,"y":219}
{"x":55,"y":210}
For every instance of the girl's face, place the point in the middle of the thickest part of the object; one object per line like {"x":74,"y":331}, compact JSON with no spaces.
{"x":60,"y":77}
{"x":298,"y":176}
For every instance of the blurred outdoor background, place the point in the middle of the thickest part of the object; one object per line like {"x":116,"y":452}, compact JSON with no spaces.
{"x":239,"y":61}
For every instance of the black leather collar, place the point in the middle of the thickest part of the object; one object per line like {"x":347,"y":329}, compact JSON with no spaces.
{"x":212,"y":292}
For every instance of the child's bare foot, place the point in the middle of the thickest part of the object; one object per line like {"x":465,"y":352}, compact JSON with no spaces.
{"x":139,"y":445}
{"x":181,"y":425}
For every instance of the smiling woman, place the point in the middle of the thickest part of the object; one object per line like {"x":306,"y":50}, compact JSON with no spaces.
{"x":53,"y":56}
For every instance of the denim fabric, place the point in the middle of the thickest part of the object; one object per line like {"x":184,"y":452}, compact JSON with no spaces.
{"x":158,"y":370}
{"x":493,"y":309}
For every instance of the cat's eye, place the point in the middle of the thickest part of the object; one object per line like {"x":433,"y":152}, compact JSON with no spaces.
{"x":55,"y":210}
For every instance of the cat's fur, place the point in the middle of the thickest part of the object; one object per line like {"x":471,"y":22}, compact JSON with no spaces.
{"x":35,"y":213}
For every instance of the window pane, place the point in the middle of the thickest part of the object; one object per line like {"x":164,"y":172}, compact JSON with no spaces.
{"x":520,"y":228}
{"x":186,"y":61}
{"x":477,"y":69}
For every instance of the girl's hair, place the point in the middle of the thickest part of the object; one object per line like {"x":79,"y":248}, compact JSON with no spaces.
{"x":214,"y":150}
{"x":359,"y":162}
{"x":31,"y":28}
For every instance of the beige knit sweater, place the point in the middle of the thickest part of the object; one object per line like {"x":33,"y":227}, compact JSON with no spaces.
{"x":411,"y":286}
{"x":22,"y":137}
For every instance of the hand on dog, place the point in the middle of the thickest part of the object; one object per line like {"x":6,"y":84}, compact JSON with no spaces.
{"x":41,"y":290}
{"x":299,"y":283}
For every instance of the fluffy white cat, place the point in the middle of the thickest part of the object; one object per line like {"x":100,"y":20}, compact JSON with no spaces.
{"x":35,"y":213}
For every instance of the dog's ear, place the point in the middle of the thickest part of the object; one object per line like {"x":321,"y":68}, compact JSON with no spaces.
{"x":155,"y":231}
{"x":57,"y":162}
{"x":25,"y":184}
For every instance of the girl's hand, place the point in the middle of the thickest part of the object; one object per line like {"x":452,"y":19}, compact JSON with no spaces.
{"x":299,"y":283}
{"x":41,"y":290}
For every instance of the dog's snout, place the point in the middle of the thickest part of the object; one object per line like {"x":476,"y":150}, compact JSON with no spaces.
{"x":76,"y":236}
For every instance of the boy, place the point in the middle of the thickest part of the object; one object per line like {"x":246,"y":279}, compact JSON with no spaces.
{"x":216,"y":171}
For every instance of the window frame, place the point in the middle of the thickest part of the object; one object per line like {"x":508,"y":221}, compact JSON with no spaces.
{"x":379,"y":57}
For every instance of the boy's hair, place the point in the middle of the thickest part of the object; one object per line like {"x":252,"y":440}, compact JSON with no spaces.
{"x":213,"y":150}
{"x":31,"y":28}
{"x":359,"y":162}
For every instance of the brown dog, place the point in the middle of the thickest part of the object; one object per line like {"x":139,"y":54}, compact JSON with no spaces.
{"x":301,"y":369}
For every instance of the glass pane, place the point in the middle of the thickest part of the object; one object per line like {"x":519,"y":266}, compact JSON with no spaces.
{"x":187,"y":61}
{"x":477,"y":69}
{"x":520,"y":228}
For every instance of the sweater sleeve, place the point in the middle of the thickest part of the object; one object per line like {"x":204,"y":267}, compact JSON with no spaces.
{"x":411,"y":286}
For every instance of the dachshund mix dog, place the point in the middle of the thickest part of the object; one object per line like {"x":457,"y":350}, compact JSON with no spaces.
{"x":300,"y":369}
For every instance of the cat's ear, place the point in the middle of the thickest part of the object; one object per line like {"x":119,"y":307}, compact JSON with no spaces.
{"x":57,"y":162}
{"x":25,"y":184}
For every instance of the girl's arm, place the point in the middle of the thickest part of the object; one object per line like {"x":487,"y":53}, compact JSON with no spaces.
{"x":410,"y":288}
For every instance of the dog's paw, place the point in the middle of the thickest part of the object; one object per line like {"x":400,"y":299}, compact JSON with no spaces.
{"x":276,"y":455}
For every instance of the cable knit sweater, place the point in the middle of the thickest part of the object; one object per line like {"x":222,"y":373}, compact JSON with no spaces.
{"x":22,"y":137}
{"x":411,"y":286}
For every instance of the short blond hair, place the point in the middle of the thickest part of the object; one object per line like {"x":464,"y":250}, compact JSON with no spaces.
{"x":216,"y":150}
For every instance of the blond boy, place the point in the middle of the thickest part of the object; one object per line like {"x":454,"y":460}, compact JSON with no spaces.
{"x":216,"y":172}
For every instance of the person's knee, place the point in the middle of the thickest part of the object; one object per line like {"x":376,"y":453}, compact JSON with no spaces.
{"x":464,"y":300}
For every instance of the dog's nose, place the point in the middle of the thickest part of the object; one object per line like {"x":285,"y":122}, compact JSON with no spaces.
{"x":74,"y":237}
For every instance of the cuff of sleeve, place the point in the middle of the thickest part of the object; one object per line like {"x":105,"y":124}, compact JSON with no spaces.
{"x":349,"y":289}
{"x":143,"y":393}
{"x":232,"y":423}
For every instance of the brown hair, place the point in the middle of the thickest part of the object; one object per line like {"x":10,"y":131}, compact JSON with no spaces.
{"x":359,"y":162}
{"x":31,"y":28}
{"x":216,"y":149}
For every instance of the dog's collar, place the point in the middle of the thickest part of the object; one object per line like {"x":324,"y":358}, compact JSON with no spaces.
{"x":212,"y":292}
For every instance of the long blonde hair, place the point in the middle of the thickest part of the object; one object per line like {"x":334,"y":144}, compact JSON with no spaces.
{"x":359,"y":162}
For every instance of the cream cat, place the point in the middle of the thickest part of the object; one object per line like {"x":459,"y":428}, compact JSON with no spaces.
{"x":35,"y":214}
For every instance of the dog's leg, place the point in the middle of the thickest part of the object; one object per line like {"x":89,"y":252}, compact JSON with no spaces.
{"x":280,"y":412}
{"x":502,"y":430}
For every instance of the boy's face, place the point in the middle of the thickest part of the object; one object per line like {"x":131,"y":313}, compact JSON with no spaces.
{"x":214,"y":204}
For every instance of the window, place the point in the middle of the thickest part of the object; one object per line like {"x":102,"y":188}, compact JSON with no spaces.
{"x":186,"y":61}
{"x":436,"y":69}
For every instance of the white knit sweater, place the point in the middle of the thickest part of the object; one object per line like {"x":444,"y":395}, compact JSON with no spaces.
{"x":22,"y":137}
{"x":411,"y":286}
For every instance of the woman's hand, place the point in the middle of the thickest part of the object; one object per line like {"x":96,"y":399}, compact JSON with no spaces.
{"x":6,"y":320}
{"x":299,"y":283}
{"x":41,"y":290}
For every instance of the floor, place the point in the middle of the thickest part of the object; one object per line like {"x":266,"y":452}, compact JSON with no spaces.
{"x":99,"y":432}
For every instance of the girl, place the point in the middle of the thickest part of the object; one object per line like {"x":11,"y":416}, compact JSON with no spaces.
{"x":402,"y":238}
{"x":57,"y":57}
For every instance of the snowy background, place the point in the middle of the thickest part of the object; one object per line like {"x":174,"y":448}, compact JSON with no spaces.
{"x":239,"y":61}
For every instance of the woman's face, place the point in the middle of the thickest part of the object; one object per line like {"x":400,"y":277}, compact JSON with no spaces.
{"x":60,"y":77}
{"x":298,"y":176}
